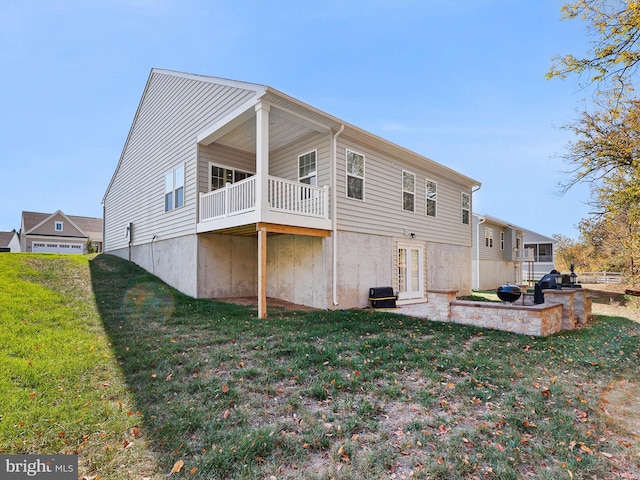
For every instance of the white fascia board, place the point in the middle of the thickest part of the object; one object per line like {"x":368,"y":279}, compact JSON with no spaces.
{"x":226,"y":123}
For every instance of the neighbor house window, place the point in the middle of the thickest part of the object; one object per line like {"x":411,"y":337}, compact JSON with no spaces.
{"x":466,"y":207}
{"x":501,"y":240}
{"x":431,"y":195}
{"x":355,"y":175}
{"x":58,"y":226}
{"x":488,"y":237}
{"x":408,"y":191}
{"x":174,"y":189}
{"x":220,"y":176}
{"x":307,"y":168}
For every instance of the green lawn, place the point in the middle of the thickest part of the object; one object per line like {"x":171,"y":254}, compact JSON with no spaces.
{"x":101,"y":358}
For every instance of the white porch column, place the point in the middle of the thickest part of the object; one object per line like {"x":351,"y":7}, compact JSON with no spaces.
{"x":262,"y":157}
{"x":262,"y":186}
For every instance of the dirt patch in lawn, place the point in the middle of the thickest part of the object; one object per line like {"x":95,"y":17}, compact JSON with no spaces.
{"x":610,"y":300}
{"x":272,"y":304}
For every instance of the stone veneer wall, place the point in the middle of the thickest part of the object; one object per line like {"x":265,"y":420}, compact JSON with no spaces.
{"x":538,"y":320}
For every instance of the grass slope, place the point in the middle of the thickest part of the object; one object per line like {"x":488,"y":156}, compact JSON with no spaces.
{"x":103,"y":359}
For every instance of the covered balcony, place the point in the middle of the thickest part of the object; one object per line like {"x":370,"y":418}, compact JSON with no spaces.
{"x":288,"y":203}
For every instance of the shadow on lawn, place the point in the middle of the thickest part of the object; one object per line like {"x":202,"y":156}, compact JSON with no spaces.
{"x":147,"y":323}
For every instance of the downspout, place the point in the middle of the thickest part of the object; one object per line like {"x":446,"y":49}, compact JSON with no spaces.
{"x":481,"y":220}
{"x":334,"y":216}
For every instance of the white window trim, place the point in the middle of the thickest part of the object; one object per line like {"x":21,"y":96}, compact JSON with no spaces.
{"x":58,"y":223}
{"x":462,"y":209}
{"x":175,"y":187}
{"x":407,"y":191}
{"x":226,"y":167}
{"x":488,"y":237}
{"x":315,"y":172}
{"x":427,"y":199}
{"x":347,"y":174}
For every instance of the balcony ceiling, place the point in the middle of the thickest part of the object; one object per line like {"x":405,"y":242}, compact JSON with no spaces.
{"x":283,"y":130}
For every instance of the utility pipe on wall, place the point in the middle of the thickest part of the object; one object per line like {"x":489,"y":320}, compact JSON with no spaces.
{"x":334,"y":216}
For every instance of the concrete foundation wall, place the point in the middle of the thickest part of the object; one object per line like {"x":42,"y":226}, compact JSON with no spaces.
{"x":227,"y":266}
{"x":296,"y":269}
{"x":174,"y":261}
{"x":448,"y":267}
{"x":364,"y":261}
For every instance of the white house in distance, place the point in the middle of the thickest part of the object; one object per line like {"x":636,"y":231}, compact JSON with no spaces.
{"x":543,"y":256}
{"x":59,"y":233}
{"x":9,"y":241}
{"x":229,"y":189}
{"x":504,"y":253}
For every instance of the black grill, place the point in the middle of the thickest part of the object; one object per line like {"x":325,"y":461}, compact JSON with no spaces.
{"x":382,"y":297}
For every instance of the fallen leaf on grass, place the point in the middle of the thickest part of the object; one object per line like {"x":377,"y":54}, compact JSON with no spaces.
{"x":177,"y":467}
{"x":225,"y":389}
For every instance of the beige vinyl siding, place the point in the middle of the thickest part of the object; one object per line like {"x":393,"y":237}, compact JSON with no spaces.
{"x":381,"y":213}
{"x":283,"y":163}
{"x":488,"y":253}
{"x":48,"y":228}
{"x":225,"y":156}
{"x":173,"y":110}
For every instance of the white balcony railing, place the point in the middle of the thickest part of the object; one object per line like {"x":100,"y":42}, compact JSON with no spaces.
{"x":525,"y":255}
{"x":282,"y":196}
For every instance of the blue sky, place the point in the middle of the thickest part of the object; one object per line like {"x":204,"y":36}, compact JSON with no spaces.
{"x":461,"y":82}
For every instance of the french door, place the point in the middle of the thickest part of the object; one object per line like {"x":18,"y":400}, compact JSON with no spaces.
{"x":410,"y":271}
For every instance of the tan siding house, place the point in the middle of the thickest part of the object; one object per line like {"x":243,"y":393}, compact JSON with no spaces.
{"x":59,"y":233}
{"x":228,"y":188}
{"x":498,"y":253}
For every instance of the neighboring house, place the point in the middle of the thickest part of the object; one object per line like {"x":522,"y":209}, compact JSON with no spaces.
{"x":497,"y":253}
{"x":231,"y":189}
{"x":508,"y":254}
{"x":542,"y":250}
{"x":59,"y":233}
{"x":9,"y":241}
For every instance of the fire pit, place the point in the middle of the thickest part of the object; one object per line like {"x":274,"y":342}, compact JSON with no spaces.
{"x":508,"y":293}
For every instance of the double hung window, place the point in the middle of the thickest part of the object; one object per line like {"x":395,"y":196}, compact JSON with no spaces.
{"x":488,"y":237}
{"x":431,"y":195}
{"x":465,"y":203}
{"x":408,"y":191}
{"x":174,"y":189}
{"x":307,"y":172}
{"x":355,"y":175}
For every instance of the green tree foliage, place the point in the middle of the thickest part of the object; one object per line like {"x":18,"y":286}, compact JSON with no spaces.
{"x":606,"y":152}
{"x":613,"y":61}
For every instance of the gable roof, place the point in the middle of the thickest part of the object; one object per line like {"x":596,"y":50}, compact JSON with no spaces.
{"x":296,"y":109}
{"x":6,"y":237}
{"x":91,"y":227}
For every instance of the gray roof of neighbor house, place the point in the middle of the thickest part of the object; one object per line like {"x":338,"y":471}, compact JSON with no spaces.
{"x":90,"y":225}
{"x":5,"y":238}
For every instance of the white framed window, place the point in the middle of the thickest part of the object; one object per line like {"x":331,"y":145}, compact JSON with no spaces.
{"x":431,"y":196}
{"x":488,"y":237}
{"x":174,"y":189}
{"x":465,"y":204}
{"x":221,"y":175}
{"x":501,"y":240}
{"x":59,"y":226}
{"x":355,"y":175}
{"x":307,"y":172}
{"x":408,"y":191}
